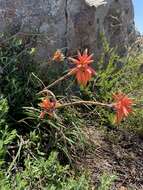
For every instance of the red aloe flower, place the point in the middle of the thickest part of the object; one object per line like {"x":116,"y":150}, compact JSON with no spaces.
{"x":82,"y":70}
{"x":123,"y":106}
{"x":47,"y":107}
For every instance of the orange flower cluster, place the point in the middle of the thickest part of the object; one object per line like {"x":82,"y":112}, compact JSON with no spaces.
{"x":58,"y":56}
{"x":123,"y":106}
{"x":82,"y":69}
{"x":48,"y":107}
{"x":84,"y":72}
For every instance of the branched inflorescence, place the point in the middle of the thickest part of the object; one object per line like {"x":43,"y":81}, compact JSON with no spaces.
{"x":83,"y":72}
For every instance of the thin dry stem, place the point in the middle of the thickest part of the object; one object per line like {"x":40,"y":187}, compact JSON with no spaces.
{"x":58,"y":80}
{"x":48,"y":93}
{"x":16,"y":157}
{"x":84,"y":102}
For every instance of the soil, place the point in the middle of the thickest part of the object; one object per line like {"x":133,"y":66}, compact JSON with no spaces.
{"x":116,"y":152}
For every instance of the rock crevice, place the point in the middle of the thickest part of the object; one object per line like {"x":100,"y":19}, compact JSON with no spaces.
{"x":66,"y":31}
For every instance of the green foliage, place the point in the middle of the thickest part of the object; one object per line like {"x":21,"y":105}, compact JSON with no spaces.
{"x":63,"y":133}
{"x":3,"y":110}
{"x":38,"y":172}
{"x":23,"y":161}
{"x":43,"y":174}
{"x":115,"y":74}
{"x":107,"y":74}
{"x":6,"y":135}
{"x":106,"y":181}
{"x":16,"y":83}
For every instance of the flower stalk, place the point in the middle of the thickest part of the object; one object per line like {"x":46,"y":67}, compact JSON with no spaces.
{"x":82,"y":102}
{"x":83,"y":72}
{"x":57,"y":81}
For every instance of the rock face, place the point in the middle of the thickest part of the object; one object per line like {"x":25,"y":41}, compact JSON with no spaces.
{"x":72,"y":24}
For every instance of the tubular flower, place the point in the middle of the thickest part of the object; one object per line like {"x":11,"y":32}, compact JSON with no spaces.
{"x":123,"y":106}
{"x":58,"y":56}
{"x":82,"y":69}
{"x":47,"y":106}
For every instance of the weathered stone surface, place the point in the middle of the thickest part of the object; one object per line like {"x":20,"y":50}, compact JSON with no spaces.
{"x":69,"y":23}
{"x":87,"y":19}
